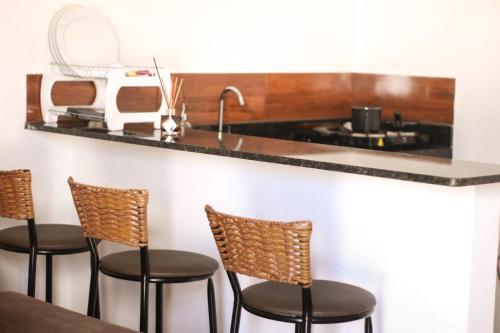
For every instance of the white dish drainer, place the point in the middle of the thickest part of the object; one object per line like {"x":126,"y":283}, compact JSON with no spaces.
{"x":107,"y":82}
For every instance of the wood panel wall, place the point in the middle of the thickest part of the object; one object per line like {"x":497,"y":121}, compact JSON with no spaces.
{"x":286,"y":96}
{"x":416,"y":98}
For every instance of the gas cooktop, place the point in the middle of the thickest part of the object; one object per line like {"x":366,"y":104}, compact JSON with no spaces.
{"x":385,"y":139}
{"x":411,"y":137}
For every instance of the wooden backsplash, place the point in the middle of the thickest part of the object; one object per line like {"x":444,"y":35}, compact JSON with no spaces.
{"x":284,"y":96}
{"x":417,"y":98}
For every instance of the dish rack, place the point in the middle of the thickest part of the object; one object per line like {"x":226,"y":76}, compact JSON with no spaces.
{"x":107,"y":82}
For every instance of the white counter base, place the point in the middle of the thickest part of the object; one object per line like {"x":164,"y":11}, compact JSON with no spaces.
{"x":427,"y":252}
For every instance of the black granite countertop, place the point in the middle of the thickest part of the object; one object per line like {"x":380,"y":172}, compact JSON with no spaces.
{"x":431,"y":170}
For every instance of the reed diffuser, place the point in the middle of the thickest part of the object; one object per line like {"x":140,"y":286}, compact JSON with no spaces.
{"x":169,"y":125}
{"x":174,"y":93}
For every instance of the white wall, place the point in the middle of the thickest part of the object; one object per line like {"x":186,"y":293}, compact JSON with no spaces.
{"x":433,"y":38}
{"x":447,"y":38}
{"x":458,"y":40}
{"x":188,"y":35}
{"x":203,"y":36}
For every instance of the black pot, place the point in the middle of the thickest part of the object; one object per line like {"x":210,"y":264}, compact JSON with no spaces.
{"x":366,"y":118}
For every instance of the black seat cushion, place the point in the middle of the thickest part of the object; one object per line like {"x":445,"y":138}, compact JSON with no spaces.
{"x":53,"y":238}
{"x":165,"y":265}
{"x":23,"y":314}
{"x":333,"y":302}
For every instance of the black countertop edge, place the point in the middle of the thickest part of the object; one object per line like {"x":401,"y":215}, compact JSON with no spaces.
{"x":345,"y":168}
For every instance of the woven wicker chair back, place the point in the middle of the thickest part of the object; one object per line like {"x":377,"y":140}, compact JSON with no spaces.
{"x":275,"y":251}
{"x":112,"y":214}
{"x":16,"y":199}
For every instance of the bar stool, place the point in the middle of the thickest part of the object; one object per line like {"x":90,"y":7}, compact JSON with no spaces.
{"x":16,"y":202}
{"x":279,"y":252}
{"x":120,"y":215}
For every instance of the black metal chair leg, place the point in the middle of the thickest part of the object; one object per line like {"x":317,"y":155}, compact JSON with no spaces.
{"x":303,"y":328}
{"x":368,"y":325}
{"x":298,"y":328}
{"x":159,"y":307}
{"x":235,"y":286}
{"x":305,"y":325}
{"x":93,"y":308}
{"x":235,"y":319}
{"x":92,"y":292}
{"x":48,"y":278}
{"x":212,"y":313}
{"x":32,"y":257}
{"x":144,"y":306}
{"x":93,"y":296}
{"x":97,"y":307}
{"x":144,"y":289}
{"x":32,"y":272}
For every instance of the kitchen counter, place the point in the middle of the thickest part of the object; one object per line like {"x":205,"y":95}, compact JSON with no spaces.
{"x":399,"y":234}
{"x":400,"y":166}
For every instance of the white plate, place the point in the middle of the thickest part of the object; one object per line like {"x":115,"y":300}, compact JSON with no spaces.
{"x":56,"y":57}
{"x":82,"y":36}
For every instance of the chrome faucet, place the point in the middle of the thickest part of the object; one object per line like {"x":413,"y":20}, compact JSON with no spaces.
{"x":237,"y":147}
{"x":221,"y":105}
